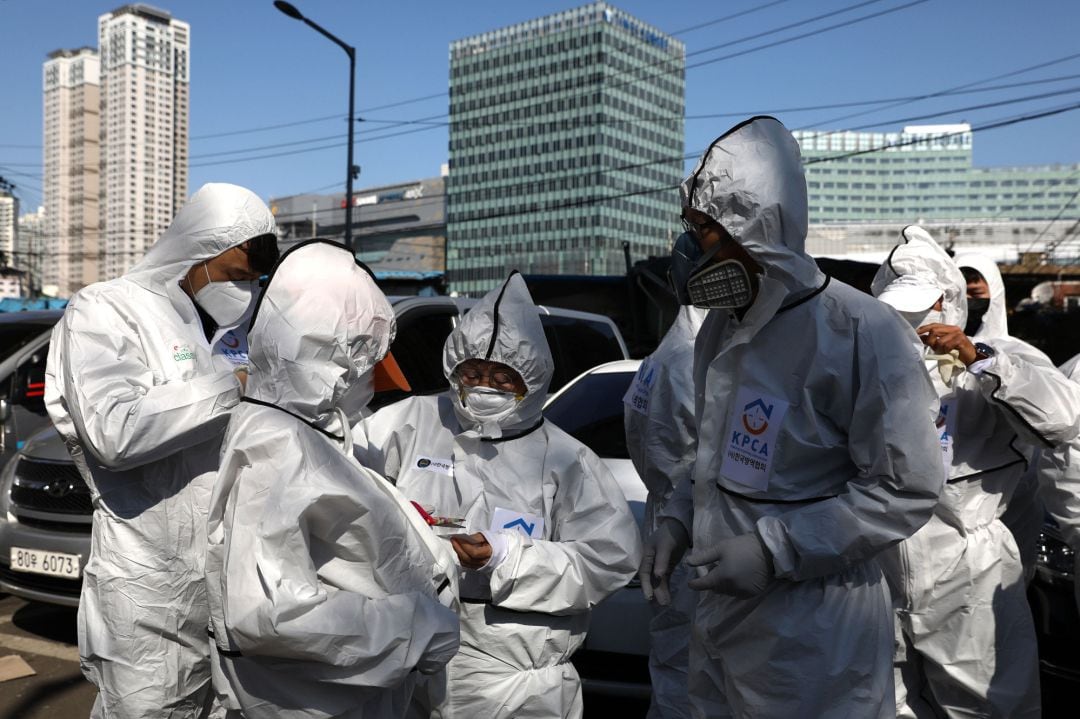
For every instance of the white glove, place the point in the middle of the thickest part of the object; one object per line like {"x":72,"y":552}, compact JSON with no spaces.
{"x":662,"y":553}
{"x":743,"y":566}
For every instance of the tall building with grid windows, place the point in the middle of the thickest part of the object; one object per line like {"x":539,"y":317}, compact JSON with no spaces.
{"x":144,"y":98}
{"x":566,"y":141}
{"x":72,"y":126}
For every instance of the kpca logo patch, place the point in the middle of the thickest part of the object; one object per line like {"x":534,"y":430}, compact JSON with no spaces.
{"x":755,"y":416}
{"x":752,"y":431}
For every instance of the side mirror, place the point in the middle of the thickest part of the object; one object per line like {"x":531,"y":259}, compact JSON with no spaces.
{"x":5,"y":411}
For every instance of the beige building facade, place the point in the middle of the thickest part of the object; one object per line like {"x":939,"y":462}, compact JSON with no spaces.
{"x":145,"y":61}
{"x":72,"y":155}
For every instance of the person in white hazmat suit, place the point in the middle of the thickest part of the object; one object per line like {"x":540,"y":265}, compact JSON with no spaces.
{"x":1058,"y":473}
{"x":539,"y":524}
{"x":965,"y":638}
{"x":815,"y":451}
{"x":659,"y":424}
{"x":987,"y":319}
{"x":329,"y":596}
{"x":141,"y":398}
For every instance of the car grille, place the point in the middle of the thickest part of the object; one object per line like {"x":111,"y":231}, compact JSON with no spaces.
{"x":50,"y":487}
{"x":41,"y":582}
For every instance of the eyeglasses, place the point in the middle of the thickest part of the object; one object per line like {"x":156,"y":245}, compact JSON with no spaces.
{"x":694,"y":228}
{"x":472,"y":375}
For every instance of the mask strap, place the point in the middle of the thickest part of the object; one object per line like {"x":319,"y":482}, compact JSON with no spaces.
{"x":206,"y":269}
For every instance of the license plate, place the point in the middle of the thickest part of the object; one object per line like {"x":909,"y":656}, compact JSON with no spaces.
{"x":36,"y":561}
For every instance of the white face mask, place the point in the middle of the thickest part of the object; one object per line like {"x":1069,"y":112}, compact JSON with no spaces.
{"x":918,"y":319}
{"x":487,"y":404}
{"x":227,"y":302}
{"x":484,"y":409}
{"x":357,"y":397}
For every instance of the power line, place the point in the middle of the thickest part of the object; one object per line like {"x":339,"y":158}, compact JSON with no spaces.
{"x":631,"y":80}
{"x":975,"y":83}
{"x":991,"y":126}
{"x":733,"y":16}
{"x":432,"y":96}
{"x":969,"y":108}
{"x":1056,"y":218}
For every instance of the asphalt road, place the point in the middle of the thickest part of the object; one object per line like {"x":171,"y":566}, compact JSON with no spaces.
{"x":44,"y":636}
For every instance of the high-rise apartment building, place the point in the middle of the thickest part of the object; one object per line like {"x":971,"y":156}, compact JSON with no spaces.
{"x":566,"y":141}
{"x":30,"y":247}
{"x":924,"y":175}
{"x":144,"y":130}
{"x":9,"y":225}
{"x":72,"y":157}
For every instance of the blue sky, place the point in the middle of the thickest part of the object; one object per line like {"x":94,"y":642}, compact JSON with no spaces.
{"x":252,"y":67}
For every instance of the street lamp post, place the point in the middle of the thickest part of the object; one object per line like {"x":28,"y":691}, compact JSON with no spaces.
{"x":352,"y":171}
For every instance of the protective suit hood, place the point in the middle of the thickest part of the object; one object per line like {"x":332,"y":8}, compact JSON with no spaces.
{"x":219,"y":216}
{"x":994,"y":322}
{"x":504,"y":327}
{"x":918,"y":261}
{"x":751,"y":181}
{"x":310,"y":373}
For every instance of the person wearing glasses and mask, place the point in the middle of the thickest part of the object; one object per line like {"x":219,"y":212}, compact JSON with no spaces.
{"x":540,"y":527}
{"x":142,"y":375}
{"x":815,"y":451}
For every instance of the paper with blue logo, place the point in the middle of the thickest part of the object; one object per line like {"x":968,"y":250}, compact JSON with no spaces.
{"x":750,"y":444}
{"x":637,"y":394}
{"x":508,"y":520}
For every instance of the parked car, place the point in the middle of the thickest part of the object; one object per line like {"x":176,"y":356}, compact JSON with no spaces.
{"x":614,"y":659}
{"x":45,"y":508}
{"x":24,"y":344}
{"x":1053,"y":599}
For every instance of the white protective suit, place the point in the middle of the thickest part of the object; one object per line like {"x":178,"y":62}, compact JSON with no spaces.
{"x":142,"y":405}
{"x":1024,"y":509}
{"x":815,"y":435}
{"x":568,"y":537}
{"x":326,"y":588}
{"x":659,"y":422}
{"x":966,"y":642}
{"x":1059,"y":483}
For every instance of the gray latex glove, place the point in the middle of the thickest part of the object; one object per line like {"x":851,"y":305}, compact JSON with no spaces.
{"x":741,"y":566}
{"x":661,"y":554}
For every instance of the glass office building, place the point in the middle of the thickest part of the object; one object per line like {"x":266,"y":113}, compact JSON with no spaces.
{"x":566,"y":141}
{"x":925,"y":175}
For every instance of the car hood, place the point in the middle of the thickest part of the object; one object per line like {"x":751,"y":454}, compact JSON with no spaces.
{"x":46,"y":445}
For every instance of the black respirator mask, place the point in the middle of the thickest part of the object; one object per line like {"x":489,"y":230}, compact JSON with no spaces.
{"x":977,"y":307}
{"x":701,"y":282}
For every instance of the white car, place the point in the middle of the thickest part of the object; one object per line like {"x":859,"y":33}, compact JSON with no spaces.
{"x":590,"y":408}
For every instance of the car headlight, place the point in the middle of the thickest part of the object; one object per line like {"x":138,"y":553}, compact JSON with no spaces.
{"x":1054,"y":555}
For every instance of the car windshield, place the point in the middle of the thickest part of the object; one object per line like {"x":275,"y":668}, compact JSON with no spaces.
{"x":591,"y":410}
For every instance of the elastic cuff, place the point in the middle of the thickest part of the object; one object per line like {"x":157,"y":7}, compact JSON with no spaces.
{"x":982,"y":365}
{"x":500,"y":547}
{"x":773,"y":535}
